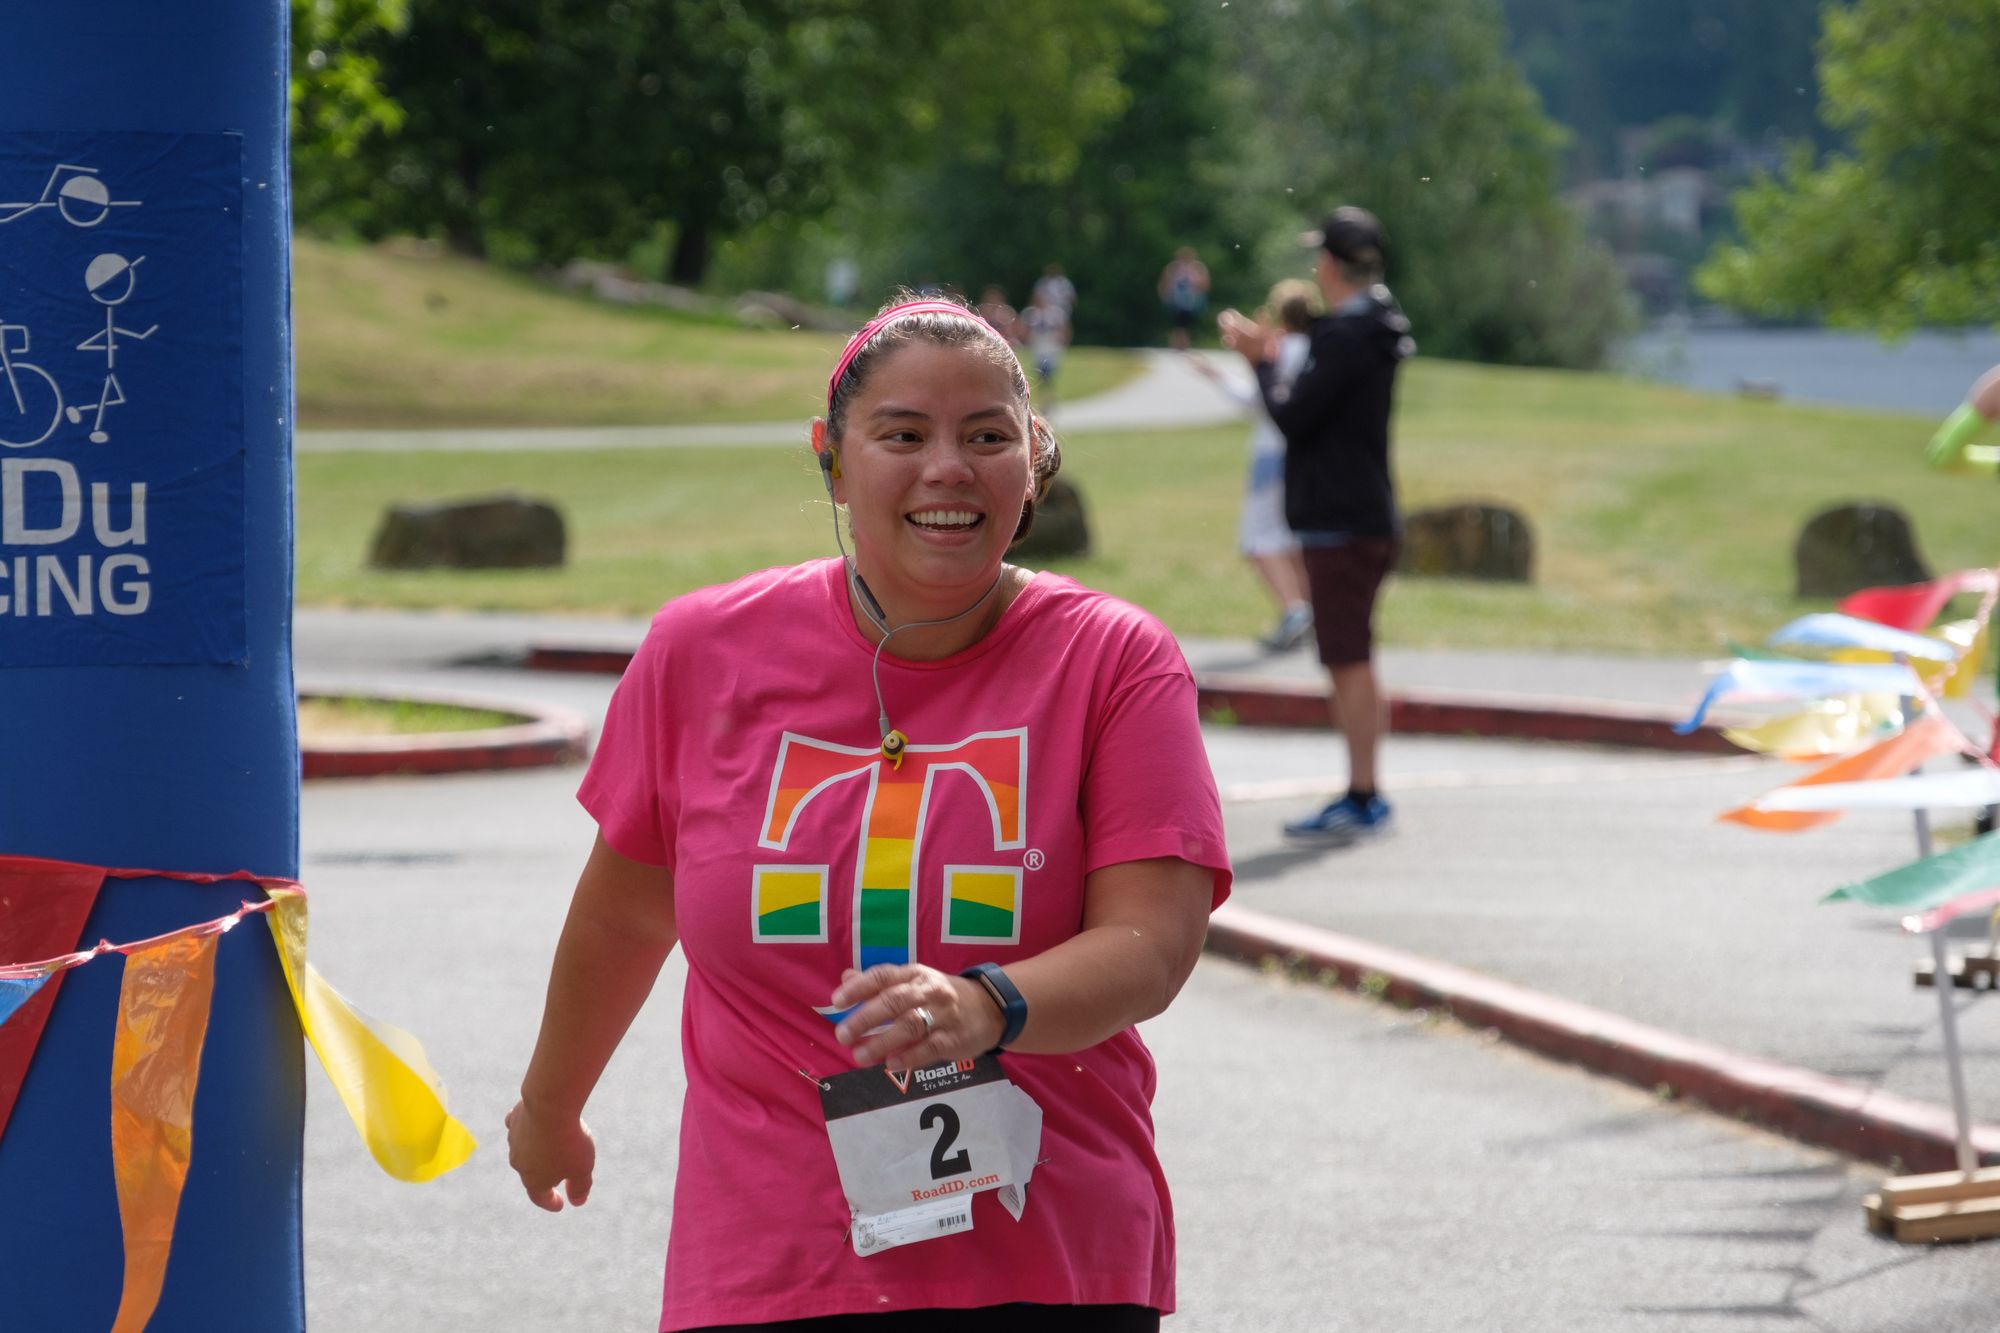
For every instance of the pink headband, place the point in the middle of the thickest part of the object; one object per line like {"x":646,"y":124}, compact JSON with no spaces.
{"x":882,"y":321}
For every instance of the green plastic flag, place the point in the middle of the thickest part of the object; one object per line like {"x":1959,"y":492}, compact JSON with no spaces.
{"x":1964,"y":869}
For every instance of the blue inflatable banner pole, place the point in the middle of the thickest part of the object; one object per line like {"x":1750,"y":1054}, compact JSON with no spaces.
{"x":146,"y":700}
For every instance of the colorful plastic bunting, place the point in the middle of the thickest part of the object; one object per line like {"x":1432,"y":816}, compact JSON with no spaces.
{"x":380,"y":1072}
{"x":1928,"y":737}
{"x":1802,"y":680}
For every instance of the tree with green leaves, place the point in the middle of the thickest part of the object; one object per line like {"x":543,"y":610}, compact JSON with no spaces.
{"x":1413,"y":109}
{"x":1149,"y":178}
{"x":337,"y":100}
{"x":539,"y":130}
{"x":1902,"y":226}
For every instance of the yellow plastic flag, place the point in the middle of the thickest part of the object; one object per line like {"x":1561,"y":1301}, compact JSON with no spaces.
{"x":1926,"y":738}
{"x":395,"y":1098}
{"x":155,"y":1060}
{"x":1829,"y":726}
{"x":1971,"y":638}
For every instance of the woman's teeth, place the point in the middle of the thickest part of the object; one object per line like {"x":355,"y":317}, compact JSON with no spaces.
{"x":945,"y":520}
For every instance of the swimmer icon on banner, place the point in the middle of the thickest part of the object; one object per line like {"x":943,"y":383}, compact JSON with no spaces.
{"x":121,"y":399}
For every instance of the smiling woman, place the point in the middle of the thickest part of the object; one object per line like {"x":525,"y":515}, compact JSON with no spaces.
{"x":969,"y":814}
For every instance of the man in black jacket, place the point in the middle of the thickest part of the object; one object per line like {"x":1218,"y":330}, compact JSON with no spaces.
{"x":1339,"y":494}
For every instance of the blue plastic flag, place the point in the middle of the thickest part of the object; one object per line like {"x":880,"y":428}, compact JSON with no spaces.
{"x":17,"y":991}
{"x":1831,"y":630}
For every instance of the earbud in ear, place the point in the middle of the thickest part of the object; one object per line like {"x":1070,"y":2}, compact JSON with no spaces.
{"x":828,"y":456}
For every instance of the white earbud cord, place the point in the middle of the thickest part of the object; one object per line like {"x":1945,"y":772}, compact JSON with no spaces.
{"x":865,"y":600}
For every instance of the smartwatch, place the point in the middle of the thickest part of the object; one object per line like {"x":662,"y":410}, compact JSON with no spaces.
{"x":1013,"y":1008}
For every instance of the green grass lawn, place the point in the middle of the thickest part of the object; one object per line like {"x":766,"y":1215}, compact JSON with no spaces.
{"x":325,"y":716}
{"x":1663,"y":519}
{"x":390,"y":336}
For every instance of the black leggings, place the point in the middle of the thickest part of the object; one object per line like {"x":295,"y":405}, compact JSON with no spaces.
{"x":1017,"y":1318}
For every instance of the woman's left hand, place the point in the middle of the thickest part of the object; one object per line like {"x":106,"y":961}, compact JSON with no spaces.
{"x":896,"y":998}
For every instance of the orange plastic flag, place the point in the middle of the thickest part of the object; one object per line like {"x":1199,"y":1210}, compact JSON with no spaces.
{"x":1926,"y":738}
{"x":155,"y":1062}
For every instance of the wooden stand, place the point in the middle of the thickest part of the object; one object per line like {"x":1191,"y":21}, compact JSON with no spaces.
{"x":1977,"y":972}
{"x":1947,"y":1205}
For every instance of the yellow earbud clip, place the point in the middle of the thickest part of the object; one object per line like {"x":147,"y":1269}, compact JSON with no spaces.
{"x":893,"y":746}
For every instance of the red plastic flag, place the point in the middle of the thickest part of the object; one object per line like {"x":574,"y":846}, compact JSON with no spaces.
{"x":1913,"y":606}
{"x":43,"y":908}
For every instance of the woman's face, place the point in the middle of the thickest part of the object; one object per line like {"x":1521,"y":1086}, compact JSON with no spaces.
{"x":935,"y":466}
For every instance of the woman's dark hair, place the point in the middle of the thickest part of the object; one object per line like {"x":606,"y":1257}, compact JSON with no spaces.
{"x":942,"y":330}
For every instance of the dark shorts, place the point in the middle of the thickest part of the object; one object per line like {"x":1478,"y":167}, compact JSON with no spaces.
{"x":984,"y":1319}
{"x":1183,"y":319}
{"x":1343,"y":581}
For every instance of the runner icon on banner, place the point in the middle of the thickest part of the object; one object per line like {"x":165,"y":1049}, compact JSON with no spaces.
{"x":913,"y":1148}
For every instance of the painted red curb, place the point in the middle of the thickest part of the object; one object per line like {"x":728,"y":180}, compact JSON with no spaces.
{"x":1865,"y":1123}
{"x":545,"y":737}
{"x":592,"y":661}
{"x":1261,"y":702}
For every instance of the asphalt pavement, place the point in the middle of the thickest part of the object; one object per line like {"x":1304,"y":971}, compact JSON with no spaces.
{"x":1337,"y":1164}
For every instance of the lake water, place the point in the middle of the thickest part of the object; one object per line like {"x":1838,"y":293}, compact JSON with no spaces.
{"x":1926,"y":374}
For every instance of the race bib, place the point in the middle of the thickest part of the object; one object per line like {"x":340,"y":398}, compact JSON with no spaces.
{"x":913,"y":1148}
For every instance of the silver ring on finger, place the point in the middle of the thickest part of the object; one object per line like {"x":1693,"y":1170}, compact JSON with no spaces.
{"x":924,"y":1017}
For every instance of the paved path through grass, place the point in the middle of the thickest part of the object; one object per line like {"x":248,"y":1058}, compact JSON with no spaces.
{"x":1166,"y":394}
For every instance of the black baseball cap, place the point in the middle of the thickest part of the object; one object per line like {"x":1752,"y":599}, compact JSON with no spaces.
{"x":1351,"y":235}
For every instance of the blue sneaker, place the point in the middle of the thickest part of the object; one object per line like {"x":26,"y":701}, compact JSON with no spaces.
{"x":1293,"y":630}
{"x":1342,"y":822}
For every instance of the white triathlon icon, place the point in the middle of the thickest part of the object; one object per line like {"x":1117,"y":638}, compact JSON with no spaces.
{"x":111,"y":280}
{"x":27,"y":414}
{"x":75,"y":192}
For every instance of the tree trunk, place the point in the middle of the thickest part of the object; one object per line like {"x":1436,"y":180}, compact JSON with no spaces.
{"x":690,"y":260}
{"x":462,"y":232}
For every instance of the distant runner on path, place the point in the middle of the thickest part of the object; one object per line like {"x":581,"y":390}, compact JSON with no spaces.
{"x":1183,"y":290}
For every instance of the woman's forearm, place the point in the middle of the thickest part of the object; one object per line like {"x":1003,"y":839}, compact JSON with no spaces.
{"x":1143,"y":929}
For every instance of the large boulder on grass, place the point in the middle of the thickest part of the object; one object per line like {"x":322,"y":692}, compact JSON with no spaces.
{"x":1060,"y":528}
{"x":1854,"y":546}
{"x":1468,"y":541}
{"x":491,"y":532}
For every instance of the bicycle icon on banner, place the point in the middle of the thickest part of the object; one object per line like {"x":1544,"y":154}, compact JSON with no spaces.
{"x":76,"y":193}
{"x":29,"y":388}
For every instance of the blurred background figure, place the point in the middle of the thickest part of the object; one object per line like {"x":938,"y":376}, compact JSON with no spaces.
{"x":1262,"y":534}
{"x":1184,"y":291}
{"x":843,"y":280}
{"x":1045,"y":330}
{"x":1979,"y":410}
{"x":1055,"y":284}
{"x":994,"y":309}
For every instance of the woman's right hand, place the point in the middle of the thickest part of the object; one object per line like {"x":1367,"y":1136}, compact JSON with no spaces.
{"x":548,"y":1155}
{"x":1242,"y":334}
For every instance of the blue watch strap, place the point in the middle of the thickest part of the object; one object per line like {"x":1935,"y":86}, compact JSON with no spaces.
{"x":1013,"y":1007}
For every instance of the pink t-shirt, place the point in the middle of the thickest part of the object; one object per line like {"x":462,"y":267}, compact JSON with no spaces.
{"x":741,"y":752}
